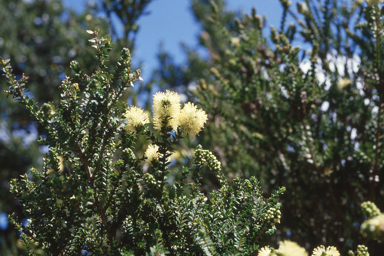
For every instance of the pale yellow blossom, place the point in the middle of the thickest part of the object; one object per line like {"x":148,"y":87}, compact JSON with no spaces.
{"x":288,"y":248}
{"x":266,"y":251}
{"x":152,"y":153}
{"x":166,"y":108}
{"x":191,"y":120}
{"x":373,"y":228}
{"x":136,"y":118}
{"x":329,"y":251}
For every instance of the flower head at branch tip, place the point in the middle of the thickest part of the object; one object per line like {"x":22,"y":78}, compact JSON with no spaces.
{"x":136,"y":118}
{"x":362,"y":250}
{"x":166,"y":108}
{"x":329,"y":251}
{"x":192,"y":120}
{"x":266,"y":251}
{"x":373,"y":228}
{"x":152,"y":153}
{"x":288,"y":248}
{"x":272,"y":216}
{"x":370,"y":209}
{"x":205,"y":157}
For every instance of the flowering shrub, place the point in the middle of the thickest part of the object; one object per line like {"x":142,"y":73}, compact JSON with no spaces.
{"x":96,"y":195}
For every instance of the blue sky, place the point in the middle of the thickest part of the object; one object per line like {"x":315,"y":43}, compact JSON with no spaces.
{"x":171,"y":22}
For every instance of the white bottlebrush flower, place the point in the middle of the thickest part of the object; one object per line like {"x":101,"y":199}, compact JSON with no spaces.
{"x":288,"y":248}
{"x":166,"y":107}
{"x":329,"y":251}
{"x":136,"y":118}
{"x":152,"y":153}
{"x":266,"y":251}
{"x":373,"y":228}
{"x":191,"y":119}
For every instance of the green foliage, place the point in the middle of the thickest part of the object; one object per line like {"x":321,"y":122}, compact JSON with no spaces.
{"x":95,"y":193}
{"x":40,"y":38}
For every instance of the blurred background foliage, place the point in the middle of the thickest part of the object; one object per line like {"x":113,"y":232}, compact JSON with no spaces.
{"x":308,"y":118}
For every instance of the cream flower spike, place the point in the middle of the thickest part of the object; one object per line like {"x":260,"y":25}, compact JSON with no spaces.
{"x":266,"y":251}
{"x":288,"y":248}
{"x":136,"y":117}
{"x":192,"y":120}
{"x":330,"y":251}
{"x":152,"y":153}
{"x":166,"y":106}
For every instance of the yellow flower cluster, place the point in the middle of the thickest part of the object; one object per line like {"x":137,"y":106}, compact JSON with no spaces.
{"x":329,"y":251}
{"x":166,"y":108}
{"x":266,"y":251}
{"x":192,"y":119}
{"x":152,"y":153}
{"x":167,"y":111}
{"x":136,"y":118}
{"x":373,"y":228}
{"x":288,"y":248}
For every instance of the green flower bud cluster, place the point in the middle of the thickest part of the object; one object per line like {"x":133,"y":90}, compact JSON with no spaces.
{"x":149,"y":179}
{"x":150,"y":185}
{"x":370,"y":209}
{"x":272,"y":216}
{"x":205,"y":157}
{"x":128,"y":154}
{"x":362,"y":250}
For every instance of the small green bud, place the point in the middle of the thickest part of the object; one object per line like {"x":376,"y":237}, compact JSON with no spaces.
{"x":75,"y":66}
